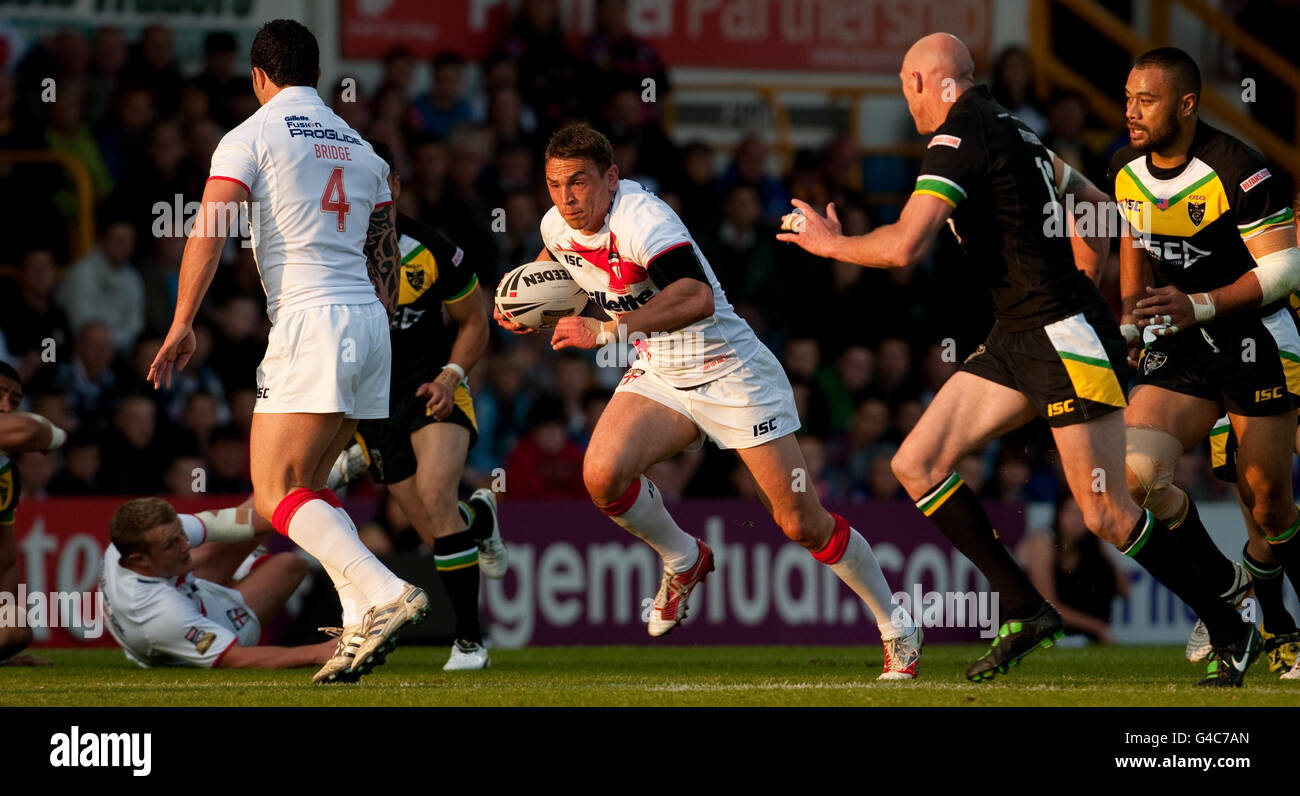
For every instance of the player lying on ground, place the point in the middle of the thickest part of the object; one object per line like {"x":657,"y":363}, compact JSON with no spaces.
{"x":701,"y":371}
{"x":1053,"y":352}
{"x":326,"y":249}
{"x":420,"y":450}
{"x":1210,"y":243}
{"x":19,"y":432}
{"x":170,"y":606}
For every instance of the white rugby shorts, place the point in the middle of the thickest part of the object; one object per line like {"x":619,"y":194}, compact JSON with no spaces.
{"x":749,"y":406}
{"x":325,"y":359}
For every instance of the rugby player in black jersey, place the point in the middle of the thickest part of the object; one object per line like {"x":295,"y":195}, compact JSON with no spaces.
{"x":1053,"y":352}
{"x":419,"y":451}
{"x":19,"y":432}
{"x":1208,"y":262}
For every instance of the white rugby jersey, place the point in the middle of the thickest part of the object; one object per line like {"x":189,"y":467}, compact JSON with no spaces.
{"x":313,"y":182}
{"x":184,"y":621}
{"x":613,"y":267}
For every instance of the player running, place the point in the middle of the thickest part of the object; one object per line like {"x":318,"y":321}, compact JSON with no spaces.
{"x":1212,"y":229}
{"x":19,"y":432}
{"x":701,"y":371}
{"x":321,"y":225}
{"x":1053,"y":352}
{"x":162,"y":614}
{"x":419,"y":452}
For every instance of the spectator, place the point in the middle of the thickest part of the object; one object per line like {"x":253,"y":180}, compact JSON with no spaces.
{"x":228,"y":462}
{"x":535,"y":42}
{"x":444,"y":107}
{"x":546,"y":464}
{"x":749,"y":167}
{"x":124,"y":138}
{"x":134,"y":457}
{"x":80,"y":472}
{"x":152,"y":63}
{"x":28,"y":315}
{"x":240,"y":321}
{"x":742,"y":253}
{"x":184,"y":477}
{"x":108,"y":56}
{"x":620,"y":59}
{"x":698,"y":187}
{"x":1013,"y":87}
{"x":104,"y":286}
{"x":220,"y":79}
{"x":89,"y":380}
{"x":846,"y":384}
{"x":1066,"y":117}
{"x":69,"y":134}
{"x":1070,"y":568}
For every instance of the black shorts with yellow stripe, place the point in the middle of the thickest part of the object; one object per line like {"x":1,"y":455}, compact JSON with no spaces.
{"x":1248,"y":366}
{"x":1223,"y":440}
{"x":1066,"y":368}
{"x":388,"y":442}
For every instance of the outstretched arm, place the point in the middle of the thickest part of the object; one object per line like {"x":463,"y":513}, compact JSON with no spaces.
{"x":905,"y":242}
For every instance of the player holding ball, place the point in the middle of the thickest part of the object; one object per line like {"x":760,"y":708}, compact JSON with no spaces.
{"x":700,"y":371}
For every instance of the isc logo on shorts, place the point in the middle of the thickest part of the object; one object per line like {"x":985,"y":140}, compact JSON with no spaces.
{"x":1267,"y":395}
{"x":263,"y":392}
{"x":765,"y":427}
{"x":1060,"y":408}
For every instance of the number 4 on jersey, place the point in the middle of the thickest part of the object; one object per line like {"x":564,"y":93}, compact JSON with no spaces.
{"x":335,"y":200}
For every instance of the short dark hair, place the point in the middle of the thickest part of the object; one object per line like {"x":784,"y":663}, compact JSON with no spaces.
{"x":287,"y":52}
{"x":7,"y":372}
{"x":133,"y":519}
{"x":218,"y":43}
{"x":581,"y":142}
{"x":385,"y":154}
{"x":1179,"y":65}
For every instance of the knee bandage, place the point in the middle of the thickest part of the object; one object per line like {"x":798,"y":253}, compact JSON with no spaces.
{"x":1151,"y":456}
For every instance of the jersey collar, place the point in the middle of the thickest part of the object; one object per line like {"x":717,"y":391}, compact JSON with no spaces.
{"x":290,"y":93}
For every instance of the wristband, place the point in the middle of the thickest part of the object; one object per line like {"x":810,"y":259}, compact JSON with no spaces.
{"x":1202,"y":306}
{"x":227,"y":525}
{"x":1130,"y":332}
{"x":57,"y":437}
{"x":454,"y":368}
{"x":606,"y":335}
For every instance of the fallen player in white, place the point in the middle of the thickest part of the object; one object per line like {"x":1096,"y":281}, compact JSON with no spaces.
{"x":170,"y":606}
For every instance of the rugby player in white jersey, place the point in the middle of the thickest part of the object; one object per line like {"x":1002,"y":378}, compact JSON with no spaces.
{"x":166,"y":607}
{"x":700,"y":371}
{"x":321,"y":217}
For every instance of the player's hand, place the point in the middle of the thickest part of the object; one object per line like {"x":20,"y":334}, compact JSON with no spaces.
{"x":176,"y":351}
{"x":440,"y":396}
{"x":819,"y":232}
{"x":1132,"y":340}
{"x":1167,"y":308}
{"x":506,"y":323}
{"x":576,"y":331}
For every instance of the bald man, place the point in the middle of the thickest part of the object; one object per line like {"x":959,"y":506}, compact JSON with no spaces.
{"x":1054,"y":351}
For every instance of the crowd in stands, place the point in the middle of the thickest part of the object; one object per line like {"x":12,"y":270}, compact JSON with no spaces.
{"x":865,"y":349}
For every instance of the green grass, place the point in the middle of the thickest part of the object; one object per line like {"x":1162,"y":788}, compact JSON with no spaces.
{"x":656,"y":676}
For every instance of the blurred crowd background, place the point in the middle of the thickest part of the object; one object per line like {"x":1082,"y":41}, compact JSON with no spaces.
{"x":866,"y":350}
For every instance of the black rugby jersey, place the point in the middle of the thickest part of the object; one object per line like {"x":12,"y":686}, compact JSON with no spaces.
{"x":433,"y":273}
{"x":998,"y":177}
{"x":1192,"y":221}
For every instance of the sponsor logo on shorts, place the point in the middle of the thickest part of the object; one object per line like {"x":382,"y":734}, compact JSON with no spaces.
{"x":1255,"y":179}
{"x":631,"y":374}
{"x":1196,"y":209}
{"x":766,"y":427}
{"x":945,"y":140}
{"x":1058,"y":408}
{"x":263,"y":392}
{"x":1269,"y":395}
{"x":1152,"y":360}
{"x":200,"y":639}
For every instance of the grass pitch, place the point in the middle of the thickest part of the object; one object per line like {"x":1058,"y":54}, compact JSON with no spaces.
{"x":656,"y":677}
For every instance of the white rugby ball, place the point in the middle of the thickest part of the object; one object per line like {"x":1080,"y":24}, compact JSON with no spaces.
{"x":539,"y":294}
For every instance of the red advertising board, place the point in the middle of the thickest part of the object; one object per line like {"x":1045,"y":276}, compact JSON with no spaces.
{"x":797,"y":35}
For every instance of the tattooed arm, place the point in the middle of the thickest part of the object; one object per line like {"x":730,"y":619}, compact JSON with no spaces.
{"x":383,"y":262}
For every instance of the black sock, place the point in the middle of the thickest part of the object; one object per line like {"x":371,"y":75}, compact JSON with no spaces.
{"x":953,"y":507}
{"x":479,"y":521}
{"x":1267,"y":580}
{"x":1214,"y":565}
{"x":456,"y":558}
{"x":1155,"y":547}
{"x":1286,"y":551}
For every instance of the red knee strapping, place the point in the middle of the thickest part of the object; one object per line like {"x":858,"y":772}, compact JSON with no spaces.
{"x":329,"y":497}
{"x":624,"y":501}
{"x":834,"y":549}
{"x":288,"y":507}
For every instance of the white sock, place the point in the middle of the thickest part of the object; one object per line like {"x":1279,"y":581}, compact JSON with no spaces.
{"x":859,"y":569}
{"x":648,"y":519}
{"x":320,"y":530}
{"x":350,"y":597}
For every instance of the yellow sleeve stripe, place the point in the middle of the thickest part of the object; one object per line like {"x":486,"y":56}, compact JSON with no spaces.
{"x":473,"y":283}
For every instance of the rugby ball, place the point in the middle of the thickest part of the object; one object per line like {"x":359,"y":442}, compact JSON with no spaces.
{"x":539,"y":294}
